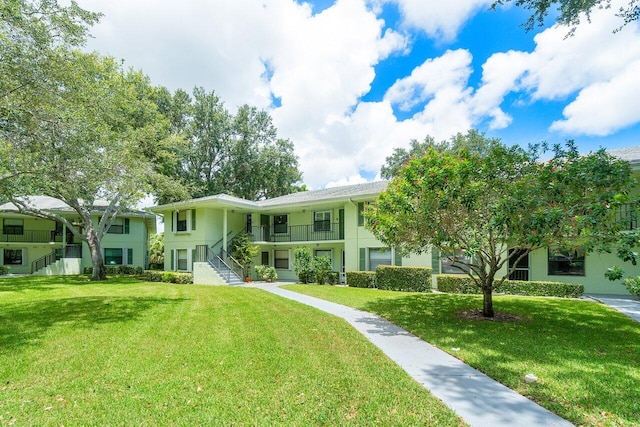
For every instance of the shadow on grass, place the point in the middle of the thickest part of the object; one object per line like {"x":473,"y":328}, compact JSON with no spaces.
{"x":24,"y":324}
{"x":588,"y":351}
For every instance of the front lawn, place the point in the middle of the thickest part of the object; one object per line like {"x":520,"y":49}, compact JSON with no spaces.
{"x":586,"y":355}
{"x":127,"y":352}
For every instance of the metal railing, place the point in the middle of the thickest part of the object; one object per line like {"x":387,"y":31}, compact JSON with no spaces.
{"x":628,"y":215}
{"x":44,"y":261}
{"x":224,"y":263}
{"x":297,"y":233}
{"x":30,"y":236}
{"x":519,"y":274}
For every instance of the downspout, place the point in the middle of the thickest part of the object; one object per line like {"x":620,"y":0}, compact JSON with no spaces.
{"x":357,"y":240}
{"x":224,"y":229}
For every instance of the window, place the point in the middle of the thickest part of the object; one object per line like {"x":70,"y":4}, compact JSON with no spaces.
{"x":13,"y":226}
{"x":322,"y":221}
{"x":281,"y":259}
{"x":181,"y":221}
{"x":379,"y":256}
{"x":451,"y":267}
{"x":248,"y":225}
{"x":119,"y":226}
{"x":264,"y":258}
{"x":13,"y":257}
{"x":565,"y":262}
{"x":280,"y":223}
{"x":118,"y":256}
{"x":183,"y":260}
{"x":113,"y":256}
{"x":323,"y":252}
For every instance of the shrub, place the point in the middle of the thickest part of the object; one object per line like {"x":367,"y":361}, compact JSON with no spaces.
{"x":4,"y":269}
{"x":167,"y":277}
{"x":409,"y":279}
{"x":541,"y":289}
{"x":361,"y":279}
{"x":456,"y":284}
{"x":118,"y":269}
{"x":302,"y":264}
{"x":633,"y":285}
{"x":464,"y":285}
{"x":333,"y":277}
{"x":321,"y":267}
{"x":268,"y":274}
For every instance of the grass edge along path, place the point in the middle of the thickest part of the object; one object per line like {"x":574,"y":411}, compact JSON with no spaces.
{"x":586,"y":355}
{"x":133,"y":353}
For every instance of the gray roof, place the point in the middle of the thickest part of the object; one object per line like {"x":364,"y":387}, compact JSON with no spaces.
{"x":47,"y":203}
{"x":328,"y":194}
{"x":630,"y":154}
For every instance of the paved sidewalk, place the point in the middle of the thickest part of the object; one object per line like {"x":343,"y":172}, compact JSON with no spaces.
{"x":478,"y":399}
{"x":625,"y":305}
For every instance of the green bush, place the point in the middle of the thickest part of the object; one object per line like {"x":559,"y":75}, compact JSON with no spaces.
{"x":167,"y":277}
{"x":464,"y":285}
{"x":333,"y":277}
{"x":268,"y":274}
{"x":321,"y":267}
{"x":4,"y":269}
{"x":633,"y":285}
{"x":302,"y":264}
{"x":361,"y":279}
{"x":456,"y":284}
{"x":408,"y":279}
{"x":118,"y":269}
{"x":541,"y":289}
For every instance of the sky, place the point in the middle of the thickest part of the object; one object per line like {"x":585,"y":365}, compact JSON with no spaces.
{"x":348,"y":81}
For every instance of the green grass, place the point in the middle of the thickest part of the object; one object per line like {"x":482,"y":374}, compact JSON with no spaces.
{"x":586,"y":355}
{"x":127,"y":352}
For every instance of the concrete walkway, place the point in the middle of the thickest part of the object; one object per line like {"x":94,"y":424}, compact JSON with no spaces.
{"x":478,"y":399}
{"x":624,"y":304}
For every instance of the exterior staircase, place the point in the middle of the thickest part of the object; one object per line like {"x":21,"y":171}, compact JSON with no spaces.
{"x":227,"y":274}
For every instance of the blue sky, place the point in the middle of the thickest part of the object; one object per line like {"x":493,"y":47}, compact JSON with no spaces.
{"x":350,"y":80}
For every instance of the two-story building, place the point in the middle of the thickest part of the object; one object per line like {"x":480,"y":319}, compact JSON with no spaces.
{"x":30,"y":245}
{"x":330,"y":222}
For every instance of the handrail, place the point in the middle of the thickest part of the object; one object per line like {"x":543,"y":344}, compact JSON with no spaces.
{"x":297,"y":233}
{"x":30,"y":236}
{"x":43,"y":261}
{"x":235,"y":265}
{"x":213,"y":247}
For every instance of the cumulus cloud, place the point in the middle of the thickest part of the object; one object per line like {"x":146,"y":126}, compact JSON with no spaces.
{"x":441,"y":20}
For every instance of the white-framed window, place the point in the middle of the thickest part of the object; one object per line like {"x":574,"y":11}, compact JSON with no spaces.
{"x":379,"y":256}
{"x":118,"y":256}
{"x":450,"y":266}
{"x":281,"y":259}
{"x":11,"y":256}
{"x":182,"y":259}
{"x":324,"y":252}
{"x":183,"y":221}
{"x":281,"y":224}
{"x":322,"y":221}
{"x":119,"y":226}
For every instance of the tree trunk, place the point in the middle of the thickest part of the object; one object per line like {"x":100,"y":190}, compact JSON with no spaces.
{"x":97,"y":260}
{"x":487,"y":303}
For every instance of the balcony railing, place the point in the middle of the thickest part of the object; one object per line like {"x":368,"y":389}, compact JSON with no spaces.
{"x":628,"y":215}
{"x":297,"y":233}
{"x":30,"y":236}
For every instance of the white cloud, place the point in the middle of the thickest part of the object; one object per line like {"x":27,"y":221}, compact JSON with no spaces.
{"x":441,"y":20}
{"x":604,"y":107}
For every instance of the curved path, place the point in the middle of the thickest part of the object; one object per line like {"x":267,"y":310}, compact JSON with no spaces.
{"x":478,"y":399}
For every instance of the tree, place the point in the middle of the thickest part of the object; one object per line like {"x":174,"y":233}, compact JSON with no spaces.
{"x":244,"y":252}
{"x":321,"y":268}
{"x":156,"y":252}
{"x":218,"y":152}
{"x":302,"y":264}
{"x":475,"y":208}
{"x":569,"y":11}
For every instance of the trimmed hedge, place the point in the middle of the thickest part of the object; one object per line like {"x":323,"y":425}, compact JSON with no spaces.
{"x":464,"y":285}
{"x":361,"y":279}
{"x":118,"y":269}
{"x":167,"y":277}
{"x":407,"y":279}
{"x":4,"y":269}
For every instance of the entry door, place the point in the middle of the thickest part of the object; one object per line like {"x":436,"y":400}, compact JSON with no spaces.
{"x":264,"y":228}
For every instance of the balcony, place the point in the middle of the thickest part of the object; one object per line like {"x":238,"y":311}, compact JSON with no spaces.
{"x":297,"y":233}
{"x":628,"y":216}
{"x":29,"y":236}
